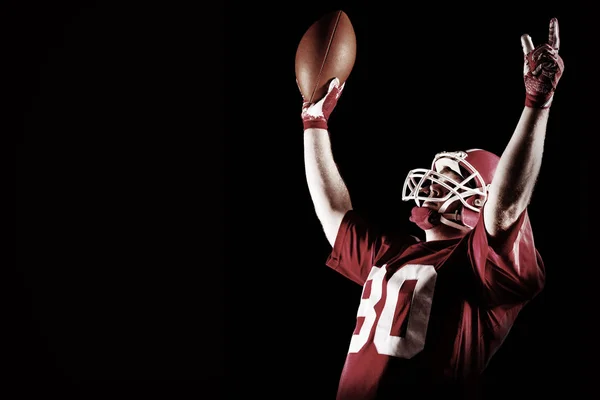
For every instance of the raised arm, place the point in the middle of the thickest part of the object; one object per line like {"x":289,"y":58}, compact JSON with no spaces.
{"x":327,"y":189}
{"x":519,"y":165}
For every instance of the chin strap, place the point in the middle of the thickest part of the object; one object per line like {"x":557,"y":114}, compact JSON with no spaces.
{"x":426,"y":218}
{"x":451,"y":219}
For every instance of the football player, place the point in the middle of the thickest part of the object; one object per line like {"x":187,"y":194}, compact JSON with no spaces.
{"x":435,"y":311}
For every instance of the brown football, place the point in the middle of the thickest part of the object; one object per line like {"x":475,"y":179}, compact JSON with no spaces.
{"x":327,"y":50}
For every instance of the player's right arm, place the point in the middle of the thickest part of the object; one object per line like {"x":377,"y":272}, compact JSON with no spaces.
{"x":327,"y":189}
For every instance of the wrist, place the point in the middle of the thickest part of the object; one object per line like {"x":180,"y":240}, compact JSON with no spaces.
{"x":319,"y":123}
{"x":538,"y":103}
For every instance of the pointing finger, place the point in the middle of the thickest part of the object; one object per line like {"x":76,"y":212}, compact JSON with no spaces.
{"x":526,"y":43}
{"x":553,"y":37}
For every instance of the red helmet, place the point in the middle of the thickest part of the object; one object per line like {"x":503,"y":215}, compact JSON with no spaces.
{"x":476,"y":168}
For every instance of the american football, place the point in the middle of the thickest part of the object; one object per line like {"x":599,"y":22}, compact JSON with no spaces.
{"x":327,"y":50}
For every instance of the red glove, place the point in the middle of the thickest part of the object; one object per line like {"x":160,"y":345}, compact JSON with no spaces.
{"x":316,"y":115}
{"x":543,"y":68}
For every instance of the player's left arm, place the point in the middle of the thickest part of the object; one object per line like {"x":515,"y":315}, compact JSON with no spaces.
{"x":517,"y":171}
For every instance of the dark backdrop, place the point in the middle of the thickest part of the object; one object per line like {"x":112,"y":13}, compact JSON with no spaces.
{"x":164,"y":229}
{"x":118,"y":111}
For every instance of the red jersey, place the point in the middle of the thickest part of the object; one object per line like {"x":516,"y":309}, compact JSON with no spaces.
{"x":430,"y":312}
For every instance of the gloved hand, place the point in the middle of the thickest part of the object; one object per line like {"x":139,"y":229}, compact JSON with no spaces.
{"x":316,"y":115}
{"x":543,"y":68}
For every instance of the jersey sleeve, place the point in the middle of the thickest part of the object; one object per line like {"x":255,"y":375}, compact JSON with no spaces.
{"x":359,"y":245}
{"x":510,"y":267}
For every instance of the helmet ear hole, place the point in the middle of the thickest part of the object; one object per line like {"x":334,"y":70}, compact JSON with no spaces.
{"x":475,"y":201}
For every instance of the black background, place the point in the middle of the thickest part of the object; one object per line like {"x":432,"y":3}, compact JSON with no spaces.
{"x":164,"y":229}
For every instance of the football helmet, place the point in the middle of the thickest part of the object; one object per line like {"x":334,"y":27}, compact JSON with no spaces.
{"x":476,"y":168}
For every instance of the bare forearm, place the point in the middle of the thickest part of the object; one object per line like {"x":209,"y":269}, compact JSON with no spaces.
{"x":517,"y":171}
{"x":327,"y":189}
